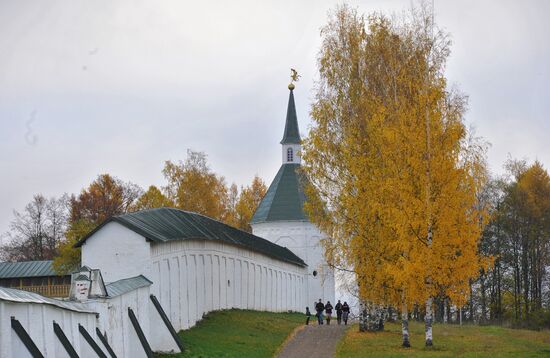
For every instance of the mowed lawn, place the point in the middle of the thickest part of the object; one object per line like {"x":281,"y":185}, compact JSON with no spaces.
{"x":238,"y":333}
{"x":449,"y":341}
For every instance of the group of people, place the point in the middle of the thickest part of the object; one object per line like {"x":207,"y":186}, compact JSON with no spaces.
{"x":342,"y":312}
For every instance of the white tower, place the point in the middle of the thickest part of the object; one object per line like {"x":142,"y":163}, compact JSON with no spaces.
{"x":280,"y":217}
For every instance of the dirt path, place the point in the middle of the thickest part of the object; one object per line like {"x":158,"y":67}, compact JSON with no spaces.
{"x":314,"y":341}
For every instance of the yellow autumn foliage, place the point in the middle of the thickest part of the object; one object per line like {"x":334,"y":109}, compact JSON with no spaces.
{"x":389,"y":159}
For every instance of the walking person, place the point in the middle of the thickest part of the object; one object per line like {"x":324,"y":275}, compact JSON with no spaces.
{"x":316,"y":311}
{"x":328,"y":310}
{"x":319,"y":307}
{"x":338,"y":309}
{"x":308,"y":316}
{"x":345,"y":312}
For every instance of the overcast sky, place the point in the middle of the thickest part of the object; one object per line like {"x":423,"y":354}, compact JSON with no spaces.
{"x":90,"y":87}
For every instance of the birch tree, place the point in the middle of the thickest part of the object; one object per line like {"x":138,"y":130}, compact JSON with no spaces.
{"x":152,"y":198}
{"x":393,"y":171}
{"x":249,"y":199}
{"x":194,"y":186}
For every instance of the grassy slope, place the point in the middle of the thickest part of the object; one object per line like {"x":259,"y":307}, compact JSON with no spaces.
{"x":238,"y":333}
{"x":450,"y":341}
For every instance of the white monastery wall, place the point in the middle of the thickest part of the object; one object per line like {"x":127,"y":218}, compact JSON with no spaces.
{"x":303,"y":238}
{"x":194,"y":277}
{"x":37,"y":320}
{"x":118,"y":251}
{"x":109,"y":315}
{"x":115,"y":323}
{"x":190,"y":278}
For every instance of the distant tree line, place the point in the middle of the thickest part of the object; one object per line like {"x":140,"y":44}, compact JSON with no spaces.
{"x":48,"y":228}
{"x":515,"y":290}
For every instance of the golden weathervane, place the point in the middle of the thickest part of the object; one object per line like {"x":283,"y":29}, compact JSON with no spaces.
{"x":294,"y":77}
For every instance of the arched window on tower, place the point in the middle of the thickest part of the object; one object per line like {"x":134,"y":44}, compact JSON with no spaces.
{"x":289,"y":155}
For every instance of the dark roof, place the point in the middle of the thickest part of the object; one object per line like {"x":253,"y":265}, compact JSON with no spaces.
{"x":168,"y":224}
{"x":291,"y":134}
{"x":120,"y":287}
{"x":26,"y":269}
{"x":285,"y":198}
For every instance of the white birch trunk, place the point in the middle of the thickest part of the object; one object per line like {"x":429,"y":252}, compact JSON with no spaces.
{"x":405,"y":326}
{"x":428,"y":320}
{"x":363,"y":322}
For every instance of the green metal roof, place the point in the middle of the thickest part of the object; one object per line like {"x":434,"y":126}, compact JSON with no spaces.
{"x":291,"y":134}
{"x":26,"y":269}
{"x":285,"y":198}
{"x":120,"y":287}
{"x":168,"y":224}
{"x":19,"y":296}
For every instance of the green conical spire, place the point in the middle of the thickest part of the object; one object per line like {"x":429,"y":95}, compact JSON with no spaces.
{"x":291,"y":134}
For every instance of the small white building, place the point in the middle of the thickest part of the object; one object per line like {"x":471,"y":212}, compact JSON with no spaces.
{"x":280,"y":217}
